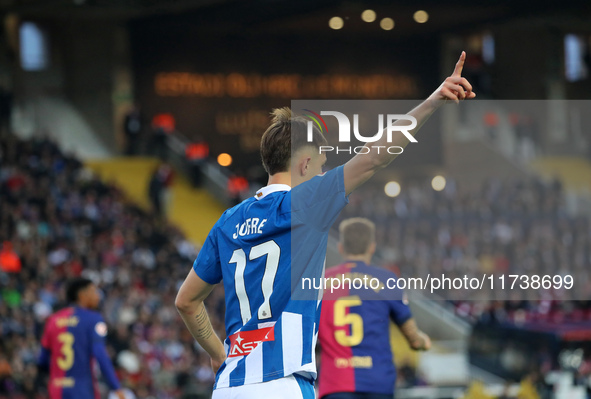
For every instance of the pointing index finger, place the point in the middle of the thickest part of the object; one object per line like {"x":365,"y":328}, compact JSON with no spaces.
{"x":459,"y":65}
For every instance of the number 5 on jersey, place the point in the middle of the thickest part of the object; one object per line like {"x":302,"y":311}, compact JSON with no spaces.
{"x":344,"y":318}
{"x":273,"y":251}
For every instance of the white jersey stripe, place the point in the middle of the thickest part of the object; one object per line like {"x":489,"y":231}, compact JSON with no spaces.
{"x":224,"y":380}
{"x":292,"y":341}
{"x":253,"y":366}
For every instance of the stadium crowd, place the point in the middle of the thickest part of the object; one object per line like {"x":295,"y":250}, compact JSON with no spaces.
{"x":58,"y":221}
{"x":510,"y":227}
{"x":503,"y":227}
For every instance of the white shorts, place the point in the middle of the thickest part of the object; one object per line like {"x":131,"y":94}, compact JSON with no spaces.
{"x":290,"y":387}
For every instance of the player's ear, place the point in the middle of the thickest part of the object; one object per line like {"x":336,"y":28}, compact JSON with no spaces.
{"x":341,"y":249}
{"x":305,"y":165}
{"x":372,"y":248}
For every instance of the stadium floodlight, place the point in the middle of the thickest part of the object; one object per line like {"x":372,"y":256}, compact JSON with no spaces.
{"x":225,"y":159}
{"x":421,"y":16}
{"x":438,"y":183}
{"x":336,"y":23}
{"x":387,"y":24}
{"x":392,"y":189}
{"x":368,"y":15}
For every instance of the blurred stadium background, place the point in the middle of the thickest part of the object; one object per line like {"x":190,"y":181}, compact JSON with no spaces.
{"x":128,"y":126}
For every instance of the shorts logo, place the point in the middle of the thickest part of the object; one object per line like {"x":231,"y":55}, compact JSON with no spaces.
{"x":243,"y":342}
{"x":101,"y":329}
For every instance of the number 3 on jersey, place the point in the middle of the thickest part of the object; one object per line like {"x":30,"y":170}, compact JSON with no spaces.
{"x":67,"y":341}
{"x":272,"y":250}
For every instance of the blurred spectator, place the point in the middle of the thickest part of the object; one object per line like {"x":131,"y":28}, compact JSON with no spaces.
{"x":9,"y":260}
{"x":237,"y":188}
{"x":162,"y":125}
{"x":196,"y":154}
{"x":526,"y":135}
{"x":159,"y":189}
{"x":5,"y":110}
{"x":491,"y":121}
{"x":133,"y":128}
{"x":197,"y":151}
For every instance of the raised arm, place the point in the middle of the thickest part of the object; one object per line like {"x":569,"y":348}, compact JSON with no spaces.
{"x":189,"y":302}
{"x":364,"y":165}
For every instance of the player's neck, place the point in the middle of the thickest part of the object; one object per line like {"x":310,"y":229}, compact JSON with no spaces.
{"x":280,"y":178}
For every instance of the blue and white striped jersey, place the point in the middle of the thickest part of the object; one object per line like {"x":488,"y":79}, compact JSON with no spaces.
{"x":261,"y":249}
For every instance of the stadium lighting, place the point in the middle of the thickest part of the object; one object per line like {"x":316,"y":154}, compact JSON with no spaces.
{"x":387,"y":24}
{"x":225,"y":159}
{"x":392,"y":189}
{"x":368,"y":15}
{"x":438,"y":183}
{"x":421,"y":16}
{"x":336,"y":23}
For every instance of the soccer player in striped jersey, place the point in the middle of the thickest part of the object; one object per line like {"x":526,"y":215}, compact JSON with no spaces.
{"x":271,"y":336}
{"x":356,"y":360}
{"x":74,"y":338}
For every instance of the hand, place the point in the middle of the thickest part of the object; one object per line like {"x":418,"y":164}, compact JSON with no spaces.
{"x":120,"y":394}
{"x":426,"y":342}
{"x":217,"y":363}
{"x":422,"y":342}
{"x":455,"y":87}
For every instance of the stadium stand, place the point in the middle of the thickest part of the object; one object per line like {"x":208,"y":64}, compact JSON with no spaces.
{"x":61,"y":221}
{"x":512,"y":227}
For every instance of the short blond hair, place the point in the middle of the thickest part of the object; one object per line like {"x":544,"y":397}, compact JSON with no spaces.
{"x":287,"y":133}
{"x":356,"y":235}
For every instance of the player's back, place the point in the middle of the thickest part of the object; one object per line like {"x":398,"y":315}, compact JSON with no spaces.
{"x":259,"y":248}
{"x":69,"y":338}
{"x":354,"y":332}
{"x":254,"y":249}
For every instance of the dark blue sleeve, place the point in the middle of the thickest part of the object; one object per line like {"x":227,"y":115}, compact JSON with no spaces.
{"x":399,"y":311}
{"x":319,"y":201}
{"x":100,"y":354}
{"x":396,"y":299}
{"x":207,"y":265}
{"x":43,"y":361}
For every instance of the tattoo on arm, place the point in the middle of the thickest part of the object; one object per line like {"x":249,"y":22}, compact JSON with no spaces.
{"x":205,"y":330}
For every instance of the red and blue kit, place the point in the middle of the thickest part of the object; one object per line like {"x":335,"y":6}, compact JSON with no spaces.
{"x":73,"y":341}
{"x":354,"y":330}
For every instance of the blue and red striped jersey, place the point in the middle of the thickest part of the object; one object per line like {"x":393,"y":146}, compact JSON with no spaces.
{"x":74,"y":339}
{"x":354,"y":331}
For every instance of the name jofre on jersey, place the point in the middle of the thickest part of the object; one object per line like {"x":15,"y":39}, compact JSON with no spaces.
{"x":243,"y":342}
{"x":250,"y":226}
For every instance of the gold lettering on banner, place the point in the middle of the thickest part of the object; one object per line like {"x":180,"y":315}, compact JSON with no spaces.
{"x":239,"y":85}
{"x":360,"y":362}
{"x":248,"y":126}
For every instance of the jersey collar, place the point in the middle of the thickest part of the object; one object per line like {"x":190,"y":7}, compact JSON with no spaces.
{"x":355,"y":263}
{"x":271,"y":188}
